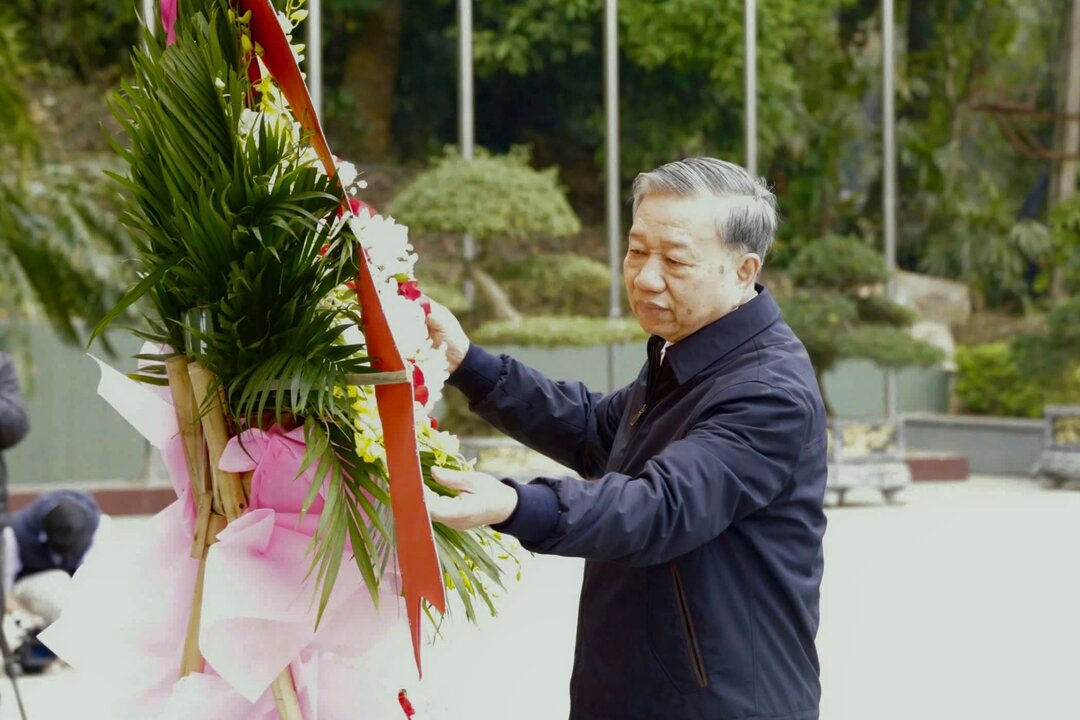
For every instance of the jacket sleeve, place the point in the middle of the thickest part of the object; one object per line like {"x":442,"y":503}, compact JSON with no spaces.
{"x":733,"y":462}
{"x":562,"y":420}
{"x":14,"y":421}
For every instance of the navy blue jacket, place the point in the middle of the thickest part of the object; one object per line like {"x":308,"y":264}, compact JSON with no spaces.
{"x":701,"y":521}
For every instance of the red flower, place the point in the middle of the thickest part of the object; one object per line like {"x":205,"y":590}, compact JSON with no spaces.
{"x":409,"y":289}
{"x":406,"y":706}
{"x":434,"y":423}
{"x":356,"y":205}
{"x":324,"y":249}
{"x":168,"y":20}
{"x":426,"y":304}
{"x":351,"y":284}
{"x":420,"y":391}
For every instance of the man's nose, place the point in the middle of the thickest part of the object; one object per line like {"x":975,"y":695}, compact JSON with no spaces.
{"x":650,"y":278}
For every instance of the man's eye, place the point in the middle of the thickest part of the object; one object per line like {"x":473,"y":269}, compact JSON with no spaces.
{"x":636,"y":253}
{"x":675,"y":263}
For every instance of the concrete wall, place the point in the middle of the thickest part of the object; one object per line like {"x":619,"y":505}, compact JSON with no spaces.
{"x":855,"y":389}
{"x":993,"y":446}
{"x":76,"y":437}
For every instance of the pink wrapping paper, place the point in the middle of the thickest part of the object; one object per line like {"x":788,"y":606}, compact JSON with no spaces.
{"x":258,"y":612}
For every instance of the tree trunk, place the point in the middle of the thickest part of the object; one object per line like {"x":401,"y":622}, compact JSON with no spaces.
{"x":370,"y":76}
{"x":824,"y":398}
{"x":1066,"y":131}
{"x":500,"y":302}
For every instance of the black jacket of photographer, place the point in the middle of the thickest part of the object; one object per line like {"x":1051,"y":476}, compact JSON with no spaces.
{"x":14,"y":422}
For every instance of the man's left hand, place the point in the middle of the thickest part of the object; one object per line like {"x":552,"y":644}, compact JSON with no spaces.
{"x":482,"y":500}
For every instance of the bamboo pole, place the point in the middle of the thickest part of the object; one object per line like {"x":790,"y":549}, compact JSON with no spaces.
{"x":190,"y":428}
{"x":192,"y":660}
{"x":230,"y":495}
{"x":230,"y":499}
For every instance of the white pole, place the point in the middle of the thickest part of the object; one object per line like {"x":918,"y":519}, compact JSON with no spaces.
{"x":750,"y":62}
{"x":888,"y":28}
{"x":611,"y":132}
{"x":465,"y":125}
{"x":314,"y":54}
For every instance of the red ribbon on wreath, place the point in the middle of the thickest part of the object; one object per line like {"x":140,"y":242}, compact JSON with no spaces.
{"x":421,"y":577}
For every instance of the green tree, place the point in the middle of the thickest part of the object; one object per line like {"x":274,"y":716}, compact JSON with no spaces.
{"x":498,"y":199}
{"x":838,"y":313}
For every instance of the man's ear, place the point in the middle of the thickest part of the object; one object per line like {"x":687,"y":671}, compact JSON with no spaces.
{"x":748,"y":269}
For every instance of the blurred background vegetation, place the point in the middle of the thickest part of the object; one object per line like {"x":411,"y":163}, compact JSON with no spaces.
{"x":972,"y":206}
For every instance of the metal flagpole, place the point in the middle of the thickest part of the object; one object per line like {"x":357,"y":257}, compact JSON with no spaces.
{"x":465,"y":125}
{"x":750,"y":62}
{"x":314,"y":54}
{"x":888,"y":64}
{"x":611,"y":131}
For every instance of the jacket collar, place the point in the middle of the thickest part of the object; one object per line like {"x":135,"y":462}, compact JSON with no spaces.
{"x":692,"y":354}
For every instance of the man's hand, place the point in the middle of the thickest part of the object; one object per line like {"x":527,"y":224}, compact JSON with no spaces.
{"x":444,"y":329}
{"x":482,"y":500}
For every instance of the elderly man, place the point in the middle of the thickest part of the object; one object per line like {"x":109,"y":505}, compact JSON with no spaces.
{"x":701,"y":519}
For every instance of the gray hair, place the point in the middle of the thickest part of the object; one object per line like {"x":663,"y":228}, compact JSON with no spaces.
{"x":751,"y":223}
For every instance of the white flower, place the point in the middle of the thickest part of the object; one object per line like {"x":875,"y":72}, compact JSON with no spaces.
{"x":286,"y":24}
{"x":346,"y":173}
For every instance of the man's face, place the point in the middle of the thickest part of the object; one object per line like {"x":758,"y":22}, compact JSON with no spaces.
{"x":679,"y":275}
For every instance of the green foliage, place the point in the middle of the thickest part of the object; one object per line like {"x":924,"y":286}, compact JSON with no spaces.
{"x":1065,"y":232}
{"x":491,"y":196}
{"x":240,"y":270}
{"x":19,"y":139}
{"x":876,"y":309}
{"x":837,"y":263}
{"x":989,"y":381}
{"x":559,"y":284}
{"x":985,"y":246}
{"x":819,"y":319}
{"x":80,"y":35}
{"x":544,"y":331}
{"x":837,"y":315}
{"x":965,"y":183}
{"x":1033,"y":369}
{"x":682,"y":68}
{"x":888,"y":347}
{"x":1063,"y":325}
{"x":59,"y":238}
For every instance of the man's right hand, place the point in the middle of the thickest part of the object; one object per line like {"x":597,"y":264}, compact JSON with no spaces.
{"x":444,"y":329}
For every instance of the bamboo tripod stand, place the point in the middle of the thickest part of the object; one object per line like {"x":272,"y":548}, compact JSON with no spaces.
{"x":220,"y":497}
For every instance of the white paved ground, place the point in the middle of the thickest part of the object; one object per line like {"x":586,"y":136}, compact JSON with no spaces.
{"x":962,"y":604}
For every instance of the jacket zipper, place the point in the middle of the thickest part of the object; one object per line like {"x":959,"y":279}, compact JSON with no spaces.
{"x":688,"y":625}
{"x":648,"y":397}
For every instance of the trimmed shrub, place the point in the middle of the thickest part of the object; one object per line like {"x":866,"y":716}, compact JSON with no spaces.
{"x":837,"y":262}
{"x":548,"y":331}
{"x":561,"y":284}
{"x":888,"y":347}
{"x":494,"y":197}
{"x":990,"y":382}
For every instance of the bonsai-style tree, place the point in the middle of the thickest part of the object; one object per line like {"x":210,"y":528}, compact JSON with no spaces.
{"x":496,"y":198}
{"x":838,"y":310}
